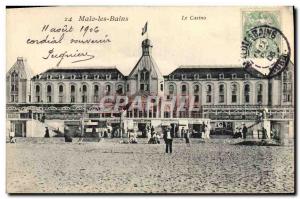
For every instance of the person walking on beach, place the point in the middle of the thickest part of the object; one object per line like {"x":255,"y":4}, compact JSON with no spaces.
{"x":245,"y":130}
{"x":202,"y":131}
{"x":168,"y":137}
{"x":47,"y":135}
{"x":182,"y":132}
{"x":187,"y":137}
{"x":207,"y":132}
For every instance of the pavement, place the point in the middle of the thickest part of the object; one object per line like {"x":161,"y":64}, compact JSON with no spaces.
{"x":111,"y":167}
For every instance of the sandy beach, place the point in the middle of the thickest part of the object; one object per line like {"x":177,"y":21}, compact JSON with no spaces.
{"x":111,"y":167}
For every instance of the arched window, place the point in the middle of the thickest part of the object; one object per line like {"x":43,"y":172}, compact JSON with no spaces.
{"x":183,"y":89}
{"x":247,"y":93}
{"x":38,"y":93}
{"x":120,"y":89}
{"x":208,"y":93}
{"x":107,"y":89}
{"x":61,"y":93}
{"x":221,"y":93}
{"x":73,"y":94}
{"x":171,"y":89}
{"x":14,"y":87}
{"x":61,"y":89}
{"x":96,"y":93}
{"x":196,"y":89}
{"x":49,"y":93}
{"x":259,"y":93}
{"x":234,"y":91}
{"x":84,"y":94}
{"x":37,"y":88}
{"x":196,"y":93}
{"x":221,"y":76}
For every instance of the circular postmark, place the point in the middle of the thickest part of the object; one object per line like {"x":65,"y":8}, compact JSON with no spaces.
{"x":265,"y":51}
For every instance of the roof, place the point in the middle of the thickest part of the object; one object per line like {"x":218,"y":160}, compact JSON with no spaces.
{"x":22,"y":68}
{"x":203,"y":71}
{"x":80,"y":72}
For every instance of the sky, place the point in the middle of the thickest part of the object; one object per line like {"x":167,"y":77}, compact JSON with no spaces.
{"x":209,"y":36}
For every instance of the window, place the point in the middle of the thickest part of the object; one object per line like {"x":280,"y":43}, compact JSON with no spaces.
{"x":61,"y":93}
{"x":196,"y":76}
{"x":84,"y":94}
{"x":234,"y":93}
{"x":259,"y":93}
{"x":96,"y":93}
{"x":107,"y":89}
{"x":37,"y":88}
{"x":208,"y":93}
{"x":14,"y":86}
{"x":142,"y":87}
{"x":171,"y":89}
{"x":221,"y":93}
{"x":247,"y":76}
{"x":49,"y":89}
{"x":161,"y":87}
{"x":221,"y":76}
{"x":233,"y":76}
{"x":196,"y":89}
{"x":208,"y":76}
{"x":196,"y":98}
{"x":183,"y":89}
{"x":107,"y":77}
{"x":61,"y":89}
{"x":247,"y":93}
{"x":73,"y":94}
{"x":37,"y":93}
{"x":96,"y":89}
{"x":144,"y":75}
{"x":49,"y":93}
{"x":120,"y":89}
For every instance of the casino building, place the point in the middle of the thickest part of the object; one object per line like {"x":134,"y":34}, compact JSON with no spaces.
{"x":223,"y":96}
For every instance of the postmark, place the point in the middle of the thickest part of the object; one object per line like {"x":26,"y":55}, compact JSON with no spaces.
{"x":265,"y":51}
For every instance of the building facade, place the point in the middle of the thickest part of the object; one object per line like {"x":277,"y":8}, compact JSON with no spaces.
{"x":223,"y":96}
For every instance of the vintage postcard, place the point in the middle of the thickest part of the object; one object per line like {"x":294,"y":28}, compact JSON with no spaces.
{"x":154,"y":100}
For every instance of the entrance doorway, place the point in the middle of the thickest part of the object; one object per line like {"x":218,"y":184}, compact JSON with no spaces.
{"x":19,"y":127}
{"x":142,"y":128}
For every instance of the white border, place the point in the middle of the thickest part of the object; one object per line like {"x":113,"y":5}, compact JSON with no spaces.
{"x":5,"y":3}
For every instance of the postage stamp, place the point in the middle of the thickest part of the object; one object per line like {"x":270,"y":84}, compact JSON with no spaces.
{"x":261,"y":51}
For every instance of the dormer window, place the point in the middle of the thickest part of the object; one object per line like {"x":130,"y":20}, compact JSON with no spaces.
{"x":73,"y":77}
{"x":49,"y":77}
{"x":183,"y":76}
{"x":107,"y":76}
{"x":208,"y":76}
{"x":247,"y":76}
{"x":85,"y":76}
{"x":60,"y":76}
{"x":233,"y":75}
{"x":221,"y":76}
{"x":196,"y":76}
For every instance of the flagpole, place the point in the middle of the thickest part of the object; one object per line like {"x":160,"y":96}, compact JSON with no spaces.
{"x":147,"y":30}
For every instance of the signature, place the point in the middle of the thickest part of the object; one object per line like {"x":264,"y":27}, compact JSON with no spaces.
{"x":82,"y":56}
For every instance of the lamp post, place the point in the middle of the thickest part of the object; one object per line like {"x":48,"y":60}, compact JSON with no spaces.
{"x":121,"y":110}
